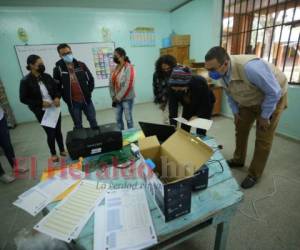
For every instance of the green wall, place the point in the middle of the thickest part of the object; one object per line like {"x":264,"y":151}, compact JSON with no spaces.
{"x":201,"y":19}
{"x":56,"y":25}
{"x":289,"y":124}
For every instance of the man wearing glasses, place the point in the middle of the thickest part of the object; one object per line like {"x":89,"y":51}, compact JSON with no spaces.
{"x":76,"y":84}
{"x":256,"y":91}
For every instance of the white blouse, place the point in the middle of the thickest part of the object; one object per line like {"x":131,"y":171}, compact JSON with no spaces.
{"x":45,"y":95}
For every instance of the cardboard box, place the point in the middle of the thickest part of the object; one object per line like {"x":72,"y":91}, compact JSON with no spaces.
{"x":178,"y":40}
{"x":180,"y":162}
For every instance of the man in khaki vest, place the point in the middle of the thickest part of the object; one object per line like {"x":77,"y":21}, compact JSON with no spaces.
{"x":256,"y":91}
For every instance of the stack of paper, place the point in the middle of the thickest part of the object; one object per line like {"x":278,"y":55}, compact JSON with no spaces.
{"x":66,"y":221}
{"x":39,"y":196}
{"x":125,"y":221}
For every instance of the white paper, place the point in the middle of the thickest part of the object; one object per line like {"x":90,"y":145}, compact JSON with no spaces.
{"x":32,"y":202}
{"x":196,"y":123}
{"x":66,"y":220}
{"x":50,"y":117}
{"x":39,"y":196}
{"x":57,"y":184}
{"x":99,"y":228}
{"x":128,"y":223}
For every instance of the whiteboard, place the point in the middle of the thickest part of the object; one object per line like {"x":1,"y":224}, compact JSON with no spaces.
{"x":98,"y":57}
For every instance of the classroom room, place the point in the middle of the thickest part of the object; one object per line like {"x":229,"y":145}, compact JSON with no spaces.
{"x":149,"y":124}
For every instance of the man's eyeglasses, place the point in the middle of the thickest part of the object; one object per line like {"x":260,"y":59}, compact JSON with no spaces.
{"x":214,"y":69}
{"x":67,"y":53}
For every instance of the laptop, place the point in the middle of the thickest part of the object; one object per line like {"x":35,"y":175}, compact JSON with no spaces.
{"x":162,"y":132}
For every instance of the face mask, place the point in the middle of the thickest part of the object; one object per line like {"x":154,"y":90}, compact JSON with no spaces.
{"x":41,"y":68}
{"x":68,"y":58}
{"x":215,"y":75}
{"x":167,"y":73}
{"x":116,"y":60}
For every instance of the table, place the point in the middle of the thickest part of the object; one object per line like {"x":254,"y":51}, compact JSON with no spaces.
{"x":215,"y":206}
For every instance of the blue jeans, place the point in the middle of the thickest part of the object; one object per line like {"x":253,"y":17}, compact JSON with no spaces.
{"x":76,"y":113}
{"x":5,"y":144}
{"x":126,"y":108}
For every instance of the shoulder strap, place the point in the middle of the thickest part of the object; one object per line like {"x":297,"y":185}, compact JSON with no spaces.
{"x":130,"y":81}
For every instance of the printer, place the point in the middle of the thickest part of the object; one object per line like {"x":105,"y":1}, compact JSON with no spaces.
{"x":86,"y":141}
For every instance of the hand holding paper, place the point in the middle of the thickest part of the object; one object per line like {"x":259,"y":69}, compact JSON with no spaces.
{"x":56,"y":102}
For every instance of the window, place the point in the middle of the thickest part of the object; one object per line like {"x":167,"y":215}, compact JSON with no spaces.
{"x":268,"y":28}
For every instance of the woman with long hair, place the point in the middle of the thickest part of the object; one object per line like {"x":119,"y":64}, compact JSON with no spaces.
{"x":39,"y":92}
{"x":163,"y":69}
{"x":122,"y":88}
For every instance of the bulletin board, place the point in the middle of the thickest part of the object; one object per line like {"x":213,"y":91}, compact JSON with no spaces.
{"x":97,"y":56}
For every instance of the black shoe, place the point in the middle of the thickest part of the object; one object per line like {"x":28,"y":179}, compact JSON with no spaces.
{"x":95,"y":128}
{"x":248,"y":182}
{"x":234,"y":164}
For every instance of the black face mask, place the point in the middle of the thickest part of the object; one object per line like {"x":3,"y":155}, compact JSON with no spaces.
{"x":41,"y":68}
{"x":167,"y":74}
{"x":116,"y":60}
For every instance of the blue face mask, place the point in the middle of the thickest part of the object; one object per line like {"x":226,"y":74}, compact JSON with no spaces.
{"x":214,"y":75}
{"x":68,"y":58}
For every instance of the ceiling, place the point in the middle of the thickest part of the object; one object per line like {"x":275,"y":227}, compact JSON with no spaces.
{"x":160,"y":5}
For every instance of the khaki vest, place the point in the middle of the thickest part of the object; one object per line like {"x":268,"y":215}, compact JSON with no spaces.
{"x":241,"y":90}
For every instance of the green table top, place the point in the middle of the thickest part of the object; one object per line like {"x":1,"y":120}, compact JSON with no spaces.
{"x":222,"y":192}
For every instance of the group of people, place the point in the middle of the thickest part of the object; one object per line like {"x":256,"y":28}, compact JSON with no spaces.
{"x":256,"y":90}
{"x":73,"y":82}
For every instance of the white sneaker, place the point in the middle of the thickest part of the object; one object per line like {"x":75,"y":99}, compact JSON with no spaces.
{"x":7,"y":178}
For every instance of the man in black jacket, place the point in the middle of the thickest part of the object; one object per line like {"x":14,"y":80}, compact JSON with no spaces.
{"x":76,"y":84}
{"x":194,"y":95}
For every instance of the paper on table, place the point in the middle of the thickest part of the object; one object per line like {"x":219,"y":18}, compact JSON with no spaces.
{"x":99,"y":228}
{"x":56,"y":185}
{"x":128,"y":220}
{"x":66,"y":221}
{"x":50,"y":117}
{"x":39,"y":196}
{"x":71,"y":169}
{"x":196,"y":123}
{"x":32,"y":202}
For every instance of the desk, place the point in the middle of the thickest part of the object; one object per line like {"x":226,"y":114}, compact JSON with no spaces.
{"x":213,"y":206}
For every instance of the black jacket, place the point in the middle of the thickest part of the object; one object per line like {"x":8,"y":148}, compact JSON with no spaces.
{"x":84,"y":76}
{"x":30,"y":93}
{"x":201,"y":102}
